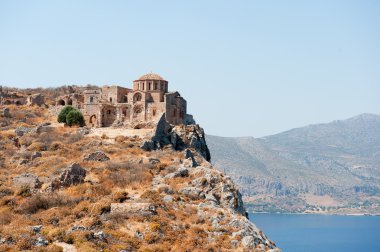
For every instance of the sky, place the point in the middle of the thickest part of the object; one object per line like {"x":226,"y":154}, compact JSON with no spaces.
{"x":246,"y":68}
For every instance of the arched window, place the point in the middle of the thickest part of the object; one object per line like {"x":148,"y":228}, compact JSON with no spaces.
{"x":137,"y":97}
{"x":155,"y":86}
{"x":149,"y":86}
{"x":109,"y":112}
{"x":110,"y":99}
{"x":91,"y":99}
{"x":143,"y":86}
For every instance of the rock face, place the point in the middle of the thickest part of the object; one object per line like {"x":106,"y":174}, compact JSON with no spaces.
{"x":190,"y":136}
{"x":27,"y":179}
{"x":99,"y":156}
{"x":35,"y":99}
{"x":72,"y":175}
{"x":179,"y":137}
{"x":217,"y":199}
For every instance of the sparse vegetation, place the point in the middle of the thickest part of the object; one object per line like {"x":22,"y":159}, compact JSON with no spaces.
{"x":75,"y":117}
{"x":63,"y":114}
{"x":71,"y":116}
{"x":81,"y":214}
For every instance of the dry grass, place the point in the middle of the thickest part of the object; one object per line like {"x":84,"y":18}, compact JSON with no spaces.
{"x":45,"y":201}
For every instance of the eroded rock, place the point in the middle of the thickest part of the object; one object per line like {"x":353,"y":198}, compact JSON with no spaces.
{"x":72,"y":175}
{"x":99,"y":156}
{"x":27,"y":179}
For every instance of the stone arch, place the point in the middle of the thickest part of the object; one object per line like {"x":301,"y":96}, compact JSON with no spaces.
{"x":137,"y":110}
{"x":93,"y":121}
{"x":137,"y":97}
{"x":61,"y":102}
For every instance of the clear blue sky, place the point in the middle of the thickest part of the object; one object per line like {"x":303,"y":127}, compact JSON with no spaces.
{"x":246,"y":68}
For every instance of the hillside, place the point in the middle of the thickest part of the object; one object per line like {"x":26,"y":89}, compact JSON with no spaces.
{"x":332,"y":167}
{"x":71,"y":189}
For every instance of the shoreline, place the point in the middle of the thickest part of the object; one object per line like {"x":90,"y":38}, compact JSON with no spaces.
{"x":316,"y":213}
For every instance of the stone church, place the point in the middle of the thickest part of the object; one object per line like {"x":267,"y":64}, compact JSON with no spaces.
{"x":139,"y":107}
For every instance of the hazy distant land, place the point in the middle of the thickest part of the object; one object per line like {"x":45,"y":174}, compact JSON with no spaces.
{"x":323,"y":168}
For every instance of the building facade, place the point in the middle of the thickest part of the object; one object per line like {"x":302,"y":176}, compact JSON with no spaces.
{"x":139,"y":107}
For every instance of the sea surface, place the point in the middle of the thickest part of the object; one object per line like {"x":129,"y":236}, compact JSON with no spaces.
{"x":320,"y":233}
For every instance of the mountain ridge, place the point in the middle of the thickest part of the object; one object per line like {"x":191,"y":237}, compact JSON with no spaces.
{"x":339,"y":159}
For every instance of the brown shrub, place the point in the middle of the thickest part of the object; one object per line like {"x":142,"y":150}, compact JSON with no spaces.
{"x":43,"y":202}
{"x":56,"y":145}
{"x":5,"y":216}
{"x":38,"y":146}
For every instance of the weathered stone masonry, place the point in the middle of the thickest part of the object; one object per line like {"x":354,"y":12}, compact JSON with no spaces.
{"x":139,"y":107}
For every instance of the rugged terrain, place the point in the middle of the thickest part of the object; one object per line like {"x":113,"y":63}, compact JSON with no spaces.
{"x":68,"y":189}
{"x":324,"y":168}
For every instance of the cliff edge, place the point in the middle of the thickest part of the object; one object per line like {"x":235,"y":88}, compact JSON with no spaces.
{"x":63,"y":188}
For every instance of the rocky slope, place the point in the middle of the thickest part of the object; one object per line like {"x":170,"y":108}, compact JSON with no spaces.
{"x":61,"y":188}
{"x":330,"y":167}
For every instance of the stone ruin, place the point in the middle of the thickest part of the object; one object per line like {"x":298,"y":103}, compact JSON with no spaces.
{"x":135,"y":108}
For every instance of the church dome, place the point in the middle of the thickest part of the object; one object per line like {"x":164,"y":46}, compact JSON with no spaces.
{"x":151,"y":76}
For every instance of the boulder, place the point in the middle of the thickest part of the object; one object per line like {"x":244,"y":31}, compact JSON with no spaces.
{"x":99,"y":156}
{"x":20,"y":131}
{"x":27,"y":179}
{"x":181,"y":172}
{"x":248,"y":241}
{"x":100,"y":235}
{"x":6,"y":112}
{"x":41,"y":242}
{"x":191,"y":192}
{"x":36,"y":229}
{"x":72,"y":175}
{"x":168,"y":198}
{"x":36,"y":155}
{"x":147,"y":145}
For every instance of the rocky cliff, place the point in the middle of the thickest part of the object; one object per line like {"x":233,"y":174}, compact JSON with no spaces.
{"x":63,"y":188}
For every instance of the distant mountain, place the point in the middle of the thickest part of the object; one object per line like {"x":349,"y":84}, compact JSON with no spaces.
{"x":333,"y":166}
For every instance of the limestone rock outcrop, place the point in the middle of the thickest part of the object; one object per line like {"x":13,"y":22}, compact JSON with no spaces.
{"x":99,"y":156}
{"x":178,"y":137}
{"x":27,"y":179}
{"x":217,"y":199}
{"x":72,"y":175}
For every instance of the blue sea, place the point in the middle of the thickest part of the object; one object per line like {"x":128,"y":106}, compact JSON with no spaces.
{"x":320,"y":233}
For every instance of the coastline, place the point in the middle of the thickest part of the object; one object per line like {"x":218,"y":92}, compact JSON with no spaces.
{"x":317,"y":213}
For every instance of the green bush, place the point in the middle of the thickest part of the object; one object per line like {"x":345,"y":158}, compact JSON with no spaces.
{"x":75,"y":117}
{"x":62,"y":115}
